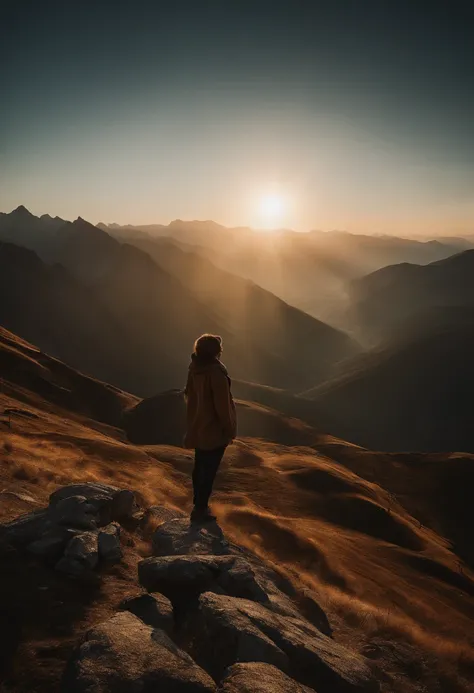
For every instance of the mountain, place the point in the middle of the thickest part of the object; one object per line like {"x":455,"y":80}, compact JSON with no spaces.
{"x":33,"y":378}
{"x":48,"y":306}
{"x":414,"y":392}
{"x":311,"y":271}
{"x":384,"y":300}
{"x":23,"y":228}
{"x":245,"y":308}
{"x":148,"y":318}
{"x":336,"y":556}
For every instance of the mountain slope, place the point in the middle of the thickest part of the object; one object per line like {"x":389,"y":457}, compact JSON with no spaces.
{"x":413,"y":393}
{"x":382,"y":301}
{"x":49,"y":307}
{"x":268,"y":323}
{"x":381,"y":542}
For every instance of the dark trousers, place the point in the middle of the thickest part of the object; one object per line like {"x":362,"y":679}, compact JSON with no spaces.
{"x":206,"y":464}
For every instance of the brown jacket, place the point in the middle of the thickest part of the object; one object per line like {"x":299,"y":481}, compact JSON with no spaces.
{"x":211,"y":419}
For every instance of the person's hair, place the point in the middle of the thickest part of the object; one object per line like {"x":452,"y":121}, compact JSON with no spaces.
{"x":208,"y":346}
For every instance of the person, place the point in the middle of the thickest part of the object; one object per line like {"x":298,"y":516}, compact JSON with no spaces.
{"x":210,"y":418}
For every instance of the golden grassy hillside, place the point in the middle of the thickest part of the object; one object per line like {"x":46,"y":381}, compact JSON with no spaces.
{"x":372,"y":534}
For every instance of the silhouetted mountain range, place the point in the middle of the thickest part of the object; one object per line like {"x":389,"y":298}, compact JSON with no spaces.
{"x":126,"y":310}
{"x":115,"y":313}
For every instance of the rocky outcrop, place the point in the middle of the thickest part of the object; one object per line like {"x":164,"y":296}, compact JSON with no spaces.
{"x":123,"y":655}
{"x":231,"y":608}
{"x":214,"y":617}
{"x":79,"y":531}
{"x":239,"y":630}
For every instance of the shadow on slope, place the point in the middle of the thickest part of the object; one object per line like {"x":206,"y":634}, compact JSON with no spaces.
{"x":414,"y":394}
{"x":26,"y":366}
{"x":161,"y":420}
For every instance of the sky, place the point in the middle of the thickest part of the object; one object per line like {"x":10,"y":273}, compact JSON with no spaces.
{"x":349,"y":114}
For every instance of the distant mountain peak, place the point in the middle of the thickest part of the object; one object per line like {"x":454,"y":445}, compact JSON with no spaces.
{"x":22,"y":211}
{"x":83,"y":223}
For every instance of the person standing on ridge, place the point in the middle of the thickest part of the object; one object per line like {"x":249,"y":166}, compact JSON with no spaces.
{"x":211,"y":418}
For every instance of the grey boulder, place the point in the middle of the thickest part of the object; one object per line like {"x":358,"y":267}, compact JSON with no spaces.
{"x":109,"y":547}
{"x":154,"y":610}
{"x":257,"y":677}
{"x":109,"y":502}
{"x":177,"y":577}
{"x":239,"y":630}
{"x":74,"y":511}
{"x":182,"y":577}
{"x":26,"y":528}
{"x":91,"y":491}
{"x":81,"y":556}
{"x":180,"y":537}
{"x":123,"y":655}
{"x":123,"y":505}
{"x":52,"y":544}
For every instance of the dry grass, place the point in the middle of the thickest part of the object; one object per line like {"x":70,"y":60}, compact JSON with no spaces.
{"x":290,"y":505}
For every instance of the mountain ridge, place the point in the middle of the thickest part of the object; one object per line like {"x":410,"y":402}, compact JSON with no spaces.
{"x":131,"y":288}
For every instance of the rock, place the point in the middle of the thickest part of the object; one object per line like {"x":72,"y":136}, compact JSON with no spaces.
{"x":81,"y":556}
{"x":123,"y":655}
{"x":109,"y":502}
{"x":177,"y":576}
{"x":109,"y":546}
{"x":158,"y":514}
{"x":184,"y":577}
{"x":179,"y":537}
{"x":314,"y":612}
{"x":256,"y":677}
{"x":52,"y":544}
{"x":26,"y":528}
{"x":154,"y":610}
{"x":74,"y":511}
{"x":123,"y":505}
{"x":218,"y":635}
{"x":76,"y":570}
{"x":239,"y":580}
{"x":91,"y":491}
{"x":239,"y":630}
{"x":19,"y":496}
{"x":84,"y":548}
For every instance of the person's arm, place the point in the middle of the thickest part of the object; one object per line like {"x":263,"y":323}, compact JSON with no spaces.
{"x":187,"y":389}
{"x":223,"y":403}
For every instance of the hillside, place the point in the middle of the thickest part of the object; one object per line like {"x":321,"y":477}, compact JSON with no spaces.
{"x":312,"y":270}
{"x":245,"y":308}
{"x":384,"y":300}
{"x":379,"y":543}
{"x":143,"y":301}
{"x":412,"y":393}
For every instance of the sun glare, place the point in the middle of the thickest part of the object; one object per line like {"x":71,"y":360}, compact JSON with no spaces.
{"x":271,"y":211}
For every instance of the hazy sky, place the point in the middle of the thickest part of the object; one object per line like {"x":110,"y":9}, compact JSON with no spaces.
{"x":359,"y":113}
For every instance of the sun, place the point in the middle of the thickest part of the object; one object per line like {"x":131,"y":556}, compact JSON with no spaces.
{"x":271,"y":210}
